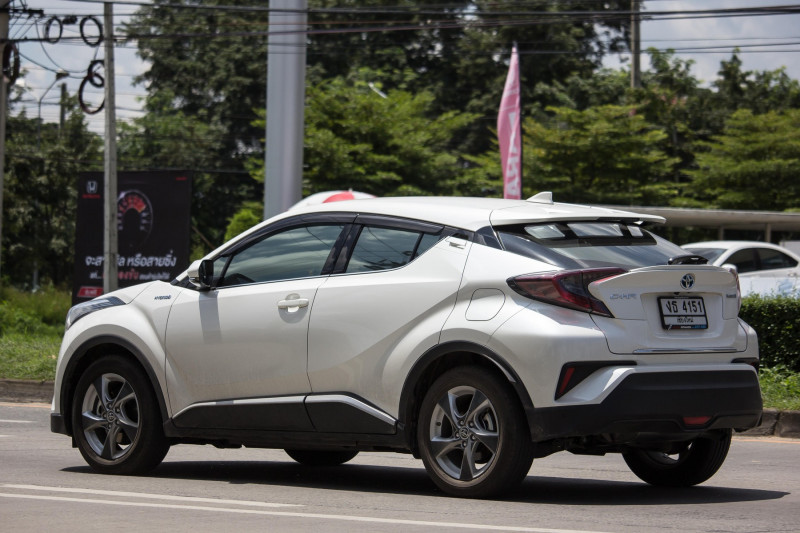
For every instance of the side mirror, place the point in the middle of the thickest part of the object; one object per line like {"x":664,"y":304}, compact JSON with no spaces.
{"x":731,"y":267}
{"x":201,"y":273}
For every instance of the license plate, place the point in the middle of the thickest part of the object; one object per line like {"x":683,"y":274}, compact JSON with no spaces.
{"x":683,"y":313}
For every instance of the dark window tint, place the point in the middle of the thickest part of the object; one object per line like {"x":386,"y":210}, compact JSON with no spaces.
{"x":745,"y":260}
{"x":588,"y":244}
{"x":294,"y":253}
{"x":385,"y":248}
{"x":771,"y":259}
{"x":382,"y":248}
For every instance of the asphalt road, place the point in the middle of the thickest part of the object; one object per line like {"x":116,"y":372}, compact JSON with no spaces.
{"x":46,"y":486}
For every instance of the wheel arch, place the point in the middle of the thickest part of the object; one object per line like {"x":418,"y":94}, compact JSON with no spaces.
{"x":437,"y":361}
{"x":93,"y":350}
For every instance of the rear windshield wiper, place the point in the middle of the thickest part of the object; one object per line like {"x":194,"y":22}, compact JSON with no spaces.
{"x":688,"y":259}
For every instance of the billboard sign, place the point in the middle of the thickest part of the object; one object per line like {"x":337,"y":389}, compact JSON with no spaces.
{"x":153,"y":224}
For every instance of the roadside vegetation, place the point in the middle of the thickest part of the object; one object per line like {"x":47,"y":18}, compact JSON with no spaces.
{"x":31,"y":326}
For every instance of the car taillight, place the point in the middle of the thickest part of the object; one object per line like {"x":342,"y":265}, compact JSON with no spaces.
{"x":732,"y":270}
{"x":568,"y":288}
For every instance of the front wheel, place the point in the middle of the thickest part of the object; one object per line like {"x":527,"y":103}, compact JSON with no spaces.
{"x":116,"y":420}
{"x":691,"y":464}
{"x":472,"y":434}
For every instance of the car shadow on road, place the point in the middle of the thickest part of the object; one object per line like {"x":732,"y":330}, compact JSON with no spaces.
{"x":577,"y":491}
{"x":415,"y":481}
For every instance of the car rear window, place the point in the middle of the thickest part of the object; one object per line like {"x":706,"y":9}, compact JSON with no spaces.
{"x":709,"y":253}
{"x":584,"y":244}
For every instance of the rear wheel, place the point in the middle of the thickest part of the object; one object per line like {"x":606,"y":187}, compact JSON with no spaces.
{"x":695,"y":462}
{"x":472,"y":434}
{"x":116,"y":420}
{"x":321,"y":457}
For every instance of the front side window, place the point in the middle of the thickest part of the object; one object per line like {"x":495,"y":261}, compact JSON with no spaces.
{"x":294,"y":253}
{"x":593,"y":244}
{"x":745,"y":260}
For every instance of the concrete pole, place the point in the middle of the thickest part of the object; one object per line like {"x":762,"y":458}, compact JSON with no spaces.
{"x":110,"y":244}
{"x":636,"y":46}
{"x":4,"y":23}
{"x":286,"y":74}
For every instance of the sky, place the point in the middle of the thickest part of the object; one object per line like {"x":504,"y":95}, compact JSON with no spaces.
{"x":766,"y":43}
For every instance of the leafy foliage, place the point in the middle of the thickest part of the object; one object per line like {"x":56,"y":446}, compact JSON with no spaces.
{"x":406,"y":151}
{"x":42,"y":168}
{"x":780,"y":387}
{"x":605,"y":154}
{"x":753,"y":164}
{"x":775,"y":321}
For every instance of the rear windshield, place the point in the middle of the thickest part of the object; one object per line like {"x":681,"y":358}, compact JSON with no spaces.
{"x":589,"y":244}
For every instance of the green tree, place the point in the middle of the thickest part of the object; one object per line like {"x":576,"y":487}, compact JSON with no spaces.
{"x":753,"y":164}
{"x":213,"y":62}
{"x":606,"y":154}
{"x":167,"y":137}
{"x":42,"y":169}
{"x":387,"y":145}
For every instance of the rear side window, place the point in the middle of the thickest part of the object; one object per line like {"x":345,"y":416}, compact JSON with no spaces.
{"x":771,"y":259}
{"x":385,"y":248}
{"x":588,"y":244}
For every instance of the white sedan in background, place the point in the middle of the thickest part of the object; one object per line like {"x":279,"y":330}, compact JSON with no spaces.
{"x":763,"y":268}
{"x":751,"y":258}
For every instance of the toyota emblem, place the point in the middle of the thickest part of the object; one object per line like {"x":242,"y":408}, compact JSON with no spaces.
{"x":687,"y":282}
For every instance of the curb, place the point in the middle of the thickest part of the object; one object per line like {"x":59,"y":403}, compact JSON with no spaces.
{"x":775,"y":423}
{"x":26,"y":391}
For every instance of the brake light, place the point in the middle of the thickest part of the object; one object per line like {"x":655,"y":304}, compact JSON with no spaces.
{"x":565,"y":288}
{"x":732,"y":270}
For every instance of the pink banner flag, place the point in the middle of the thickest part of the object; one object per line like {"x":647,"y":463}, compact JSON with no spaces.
{"x":509,"y":132}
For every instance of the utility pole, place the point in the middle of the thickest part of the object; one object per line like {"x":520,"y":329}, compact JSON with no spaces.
{"x":110,"y":244}
{"x":286,"y":76}
{"x":62,"y":109}
{"x":4,"y":23}
{"x":636,"y":45}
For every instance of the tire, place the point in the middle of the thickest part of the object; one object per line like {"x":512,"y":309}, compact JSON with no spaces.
{"x":696,"y":462}
{"x":115,"y":418}
{"x":472,"y":434}
{"x":321,"y":457}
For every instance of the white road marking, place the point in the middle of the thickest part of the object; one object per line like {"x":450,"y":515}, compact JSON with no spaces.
{"x":287,"y":514}
{"x":16,"y":421}
{"x":147,"y":495}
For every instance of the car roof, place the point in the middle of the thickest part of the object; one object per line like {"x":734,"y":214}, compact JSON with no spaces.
{"x":474,"y":213}
{"x":733,"y":245}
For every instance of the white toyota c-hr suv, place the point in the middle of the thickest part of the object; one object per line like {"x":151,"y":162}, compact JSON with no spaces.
{"x":476,"y":334}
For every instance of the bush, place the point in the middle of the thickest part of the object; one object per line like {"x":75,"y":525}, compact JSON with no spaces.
{"x":775,"y":319}
{"x":47,"y":305}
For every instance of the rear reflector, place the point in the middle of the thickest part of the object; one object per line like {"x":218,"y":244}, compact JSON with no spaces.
{"x":566,"y":288}
{"x":696,"y":420}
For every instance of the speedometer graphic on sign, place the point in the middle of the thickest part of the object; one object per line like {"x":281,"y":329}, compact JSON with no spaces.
{"x":134,"y":219}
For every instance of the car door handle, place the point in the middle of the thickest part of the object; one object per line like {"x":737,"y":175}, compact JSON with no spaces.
{"x":293,"y":301}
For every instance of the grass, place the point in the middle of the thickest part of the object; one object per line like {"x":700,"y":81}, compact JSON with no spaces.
{"x":780,"y":388}
{"x":31,"y":326}
{"x":24,"y":356}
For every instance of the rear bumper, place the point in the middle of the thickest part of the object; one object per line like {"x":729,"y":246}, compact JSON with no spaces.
{"x":656,"y":404}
